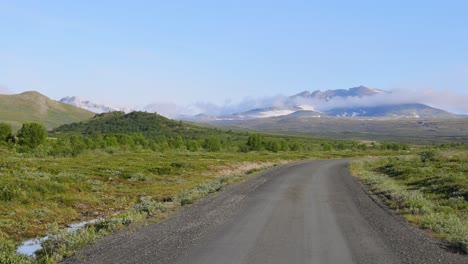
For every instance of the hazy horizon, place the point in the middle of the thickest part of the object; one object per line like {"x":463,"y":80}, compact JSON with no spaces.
{"x":448,"y":101}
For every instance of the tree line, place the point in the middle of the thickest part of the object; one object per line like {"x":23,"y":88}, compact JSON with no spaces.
{"x":30,"y":136}
{"x":34,"y":137}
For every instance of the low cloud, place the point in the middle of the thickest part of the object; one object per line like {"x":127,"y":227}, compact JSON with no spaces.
{"x":446,"y":100}
{"x":246,"y":104}
{"x":449,"y":100}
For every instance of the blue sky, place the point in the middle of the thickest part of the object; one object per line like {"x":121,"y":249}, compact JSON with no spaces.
{"x":183,"y":52}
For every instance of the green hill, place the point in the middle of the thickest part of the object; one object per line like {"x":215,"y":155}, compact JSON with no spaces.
{"x":148,"y":124}
{"x":16,"y":109}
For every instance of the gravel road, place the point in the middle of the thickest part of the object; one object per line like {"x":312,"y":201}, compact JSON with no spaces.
{"x":308,"y":212}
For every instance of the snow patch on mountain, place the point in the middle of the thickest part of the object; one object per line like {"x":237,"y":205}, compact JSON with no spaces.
{"x":273,"y":113}
{"x":307,"y":107}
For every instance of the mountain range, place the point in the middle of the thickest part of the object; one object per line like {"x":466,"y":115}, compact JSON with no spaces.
{"x":359,"y":101}
{"x":363,"y":103}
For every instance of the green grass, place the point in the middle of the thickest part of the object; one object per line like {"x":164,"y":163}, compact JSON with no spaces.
{"x":430,"y":189}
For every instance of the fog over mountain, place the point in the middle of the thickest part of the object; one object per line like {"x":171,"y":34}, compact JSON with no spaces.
{"x":314,"y":100}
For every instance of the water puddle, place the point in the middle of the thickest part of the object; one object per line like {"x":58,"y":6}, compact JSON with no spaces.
{"x":29,"y":247}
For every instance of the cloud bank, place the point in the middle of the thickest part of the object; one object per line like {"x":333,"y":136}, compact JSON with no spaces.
{"x":445,"y":100}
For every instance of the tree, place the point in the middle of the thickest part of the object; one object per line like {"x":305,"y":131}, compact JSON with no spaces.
{"x":284,"y":145}
{"x":192,"y":145}
{"x":273,"y":145}
{"x":78,"y":144}
{"x":110,"y":140}
{"x":212,"y":144}
{"x":32,"y":135}
{"x":294,"y":146}
{"x":176,"y":143}
{"x":5,"y":131}
{"x":61,"y":147}
{"x":327,"y":146}
{"x":255,"y":142}
{"x":97,"y":140}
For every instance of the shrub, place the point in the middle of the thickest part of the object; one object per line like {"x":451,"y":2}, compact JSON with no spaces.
{"x":148,"y":206}
{"x":273,"y":145}
{"x":5,"y":131}
{"x":428,"y":155}
{"x":8,"y":253}
{"x":255,"y":142}
{"x":184,"y":198}
{"x":192,"y":145}
{"x":212,"y":144}
{"x":7,"y":193}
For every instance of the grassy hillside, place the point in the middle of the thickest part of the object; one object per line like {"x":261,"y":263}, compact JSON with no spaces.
{"x":17,"y":109}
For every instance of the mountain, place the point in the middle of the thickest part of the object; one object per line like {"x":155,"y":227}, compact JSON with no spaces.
{"x":87,"y":105}
{"x":331,"y":103}
{"x":394,"y":111}
{"x":306,"y":114}
{"x":32,"y":106}
{"x":253,"y":114}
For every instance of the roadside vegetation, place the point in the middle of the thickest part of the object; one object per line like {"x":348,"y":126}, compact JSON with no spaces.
{"x":429,"y":189}
{"x":124,"y":168}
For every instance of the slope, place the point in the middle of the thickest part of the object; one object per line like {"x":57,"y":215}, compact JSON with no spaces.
{"x":32,"y":106}
{"x":399,"y":110}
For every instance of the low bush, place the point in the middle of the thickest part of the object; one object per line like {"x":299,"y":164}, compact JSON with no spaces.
{"x":426,"y":190}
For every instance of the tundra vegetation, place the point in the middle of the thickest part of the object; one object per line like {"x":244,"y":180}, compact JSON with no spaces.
{"x":124,"y":168}
{"x":429,"y":189}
